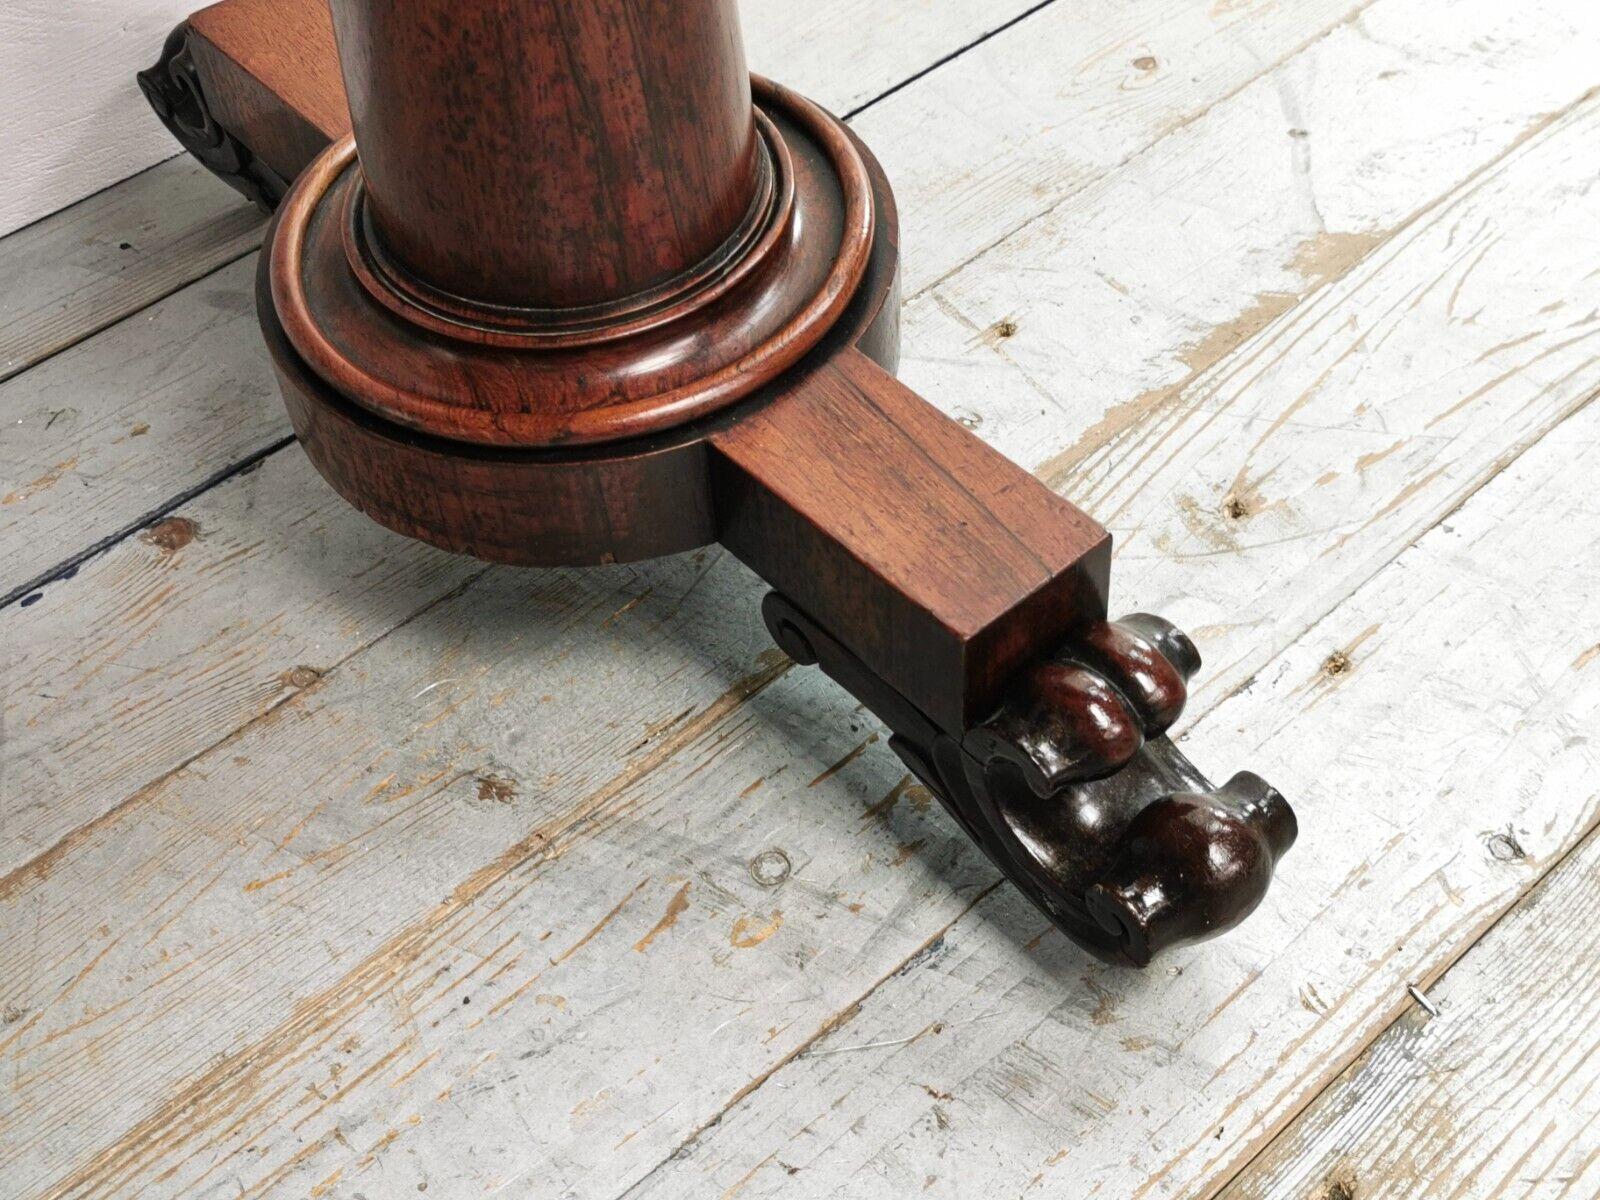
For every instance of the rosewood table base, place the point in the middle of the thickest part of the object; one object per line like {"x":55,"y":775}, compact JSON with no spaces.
{"x":592,"y":297}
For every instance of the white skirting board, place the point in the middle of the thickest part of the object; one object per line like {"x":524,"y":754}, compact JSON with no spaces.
{"x":74,"y":119}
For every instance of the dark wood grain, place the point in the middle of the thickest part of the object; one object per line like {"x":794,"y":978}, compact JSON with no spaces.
{"x":502,"y":255}
{"x":1110,"y":831}
{"x":616,"y":502}
{"x":601,"y":147}
{"x":280,"y":95}
{"x":553,"y":378}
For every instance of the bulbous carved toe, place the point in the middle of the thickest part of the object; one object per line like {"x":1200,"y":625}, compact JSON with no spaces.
{"x":1173,"y":643}
{"x":1193,"y":865}
{"x":1146,"y":659}
{"x":1069,"y":722}
{"x":1084,"y":711}
{"x":1103,"y":815}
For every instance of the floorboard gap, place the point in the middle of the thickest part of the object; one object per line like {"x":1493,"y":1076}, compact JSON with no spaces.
{"x":948,"y":58}
{"x":67,"y":568}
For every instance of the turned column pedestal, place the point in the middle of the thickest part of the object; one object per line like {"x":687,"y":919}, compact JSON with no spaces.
{"x":579,"y":290}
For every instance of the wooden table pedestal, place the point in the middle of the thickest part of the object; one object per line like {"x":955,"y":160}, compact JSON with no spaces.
{"x":577,"y":289}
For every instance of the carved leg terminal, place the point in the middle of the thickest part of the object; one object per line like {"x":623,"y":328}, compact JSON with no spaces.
{"x":579,"y":290}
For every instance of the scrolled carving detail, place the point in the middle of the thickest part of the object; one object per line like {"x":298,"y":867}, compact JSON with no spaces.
{"x":1192,"y":864}
{"x":173,"y":89}
{"x":1085,"y":710}
{"x":1076,"y":794}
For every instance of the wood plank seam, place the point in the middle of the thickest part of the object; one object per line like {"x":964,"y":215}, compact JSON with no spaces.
{"x":1353,"y":17}
{"x":1402,"y":1001}
{"x":1057,"y":472}
{"x":1188,"y":119}
{"x":851,"y":114}
{"x":11,"y":370}
{"x":111,"y":540}
{"x":1401,"y":1004}
{"x":541,"y":844}
{"x":825,"y":1029}
{"x":39,"y":864}
{"x":99,"y":191}
{"x":16,"y":355}
{"x":69,"y":565}
{"x":1406,"y":1005}
{"x":1516,"y":451}
{"x":1478,"y":917}
{"x":1463,"y":187}
{"x":1475,"y":175}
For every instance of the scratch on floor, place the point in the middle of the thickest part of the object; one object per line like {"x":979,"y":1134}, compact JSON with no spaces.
{"x":675,"y":909}
{"x":843,"y":762}
{"x":604,"y":921}
{"x":43,"y":483}
{"x":748,"y":932}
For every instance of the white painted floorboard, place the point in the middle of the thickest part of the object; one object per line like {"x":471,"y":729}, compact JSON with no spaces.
{"x":332,"y":865}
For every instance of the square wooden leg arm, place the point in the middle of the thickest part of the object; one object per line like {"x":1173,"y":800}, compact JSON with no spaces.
{"x":870,"y":509}
{"x":964,"y":604}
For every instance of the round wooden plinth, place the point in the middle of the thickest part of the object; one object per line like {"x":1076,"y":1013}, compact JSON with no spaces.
{"x":543,"y":439}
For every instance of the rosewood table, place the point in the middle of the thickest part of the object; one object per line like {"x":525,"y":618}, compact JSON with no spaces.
{"x":561,"y":283}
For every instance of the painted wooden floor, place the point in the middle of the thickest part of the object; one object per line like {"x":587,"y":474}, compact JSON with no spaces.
{"x":334,"y":866}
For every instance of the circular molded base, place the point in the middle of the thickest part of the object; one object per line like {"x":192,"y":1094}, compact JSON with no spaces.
{"x":530,"y":378}
{"x":618,"y":501}
{"x":763,"y":233}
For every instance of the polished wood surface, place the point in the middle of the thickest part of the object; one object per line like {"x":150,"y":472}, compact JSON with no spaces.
{"x":598,"y":148}
{"x":272,"y":99}
{"x":524,"y":508}
{"x":1126,"y":846}
{"x":562,"y":379}
{"x":1402,"y":763}
{"x":529,"y":509}
{"x":616,"y":502}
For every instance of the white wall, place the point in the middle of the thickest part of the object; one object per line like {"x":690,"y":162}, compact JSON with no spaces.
{"x":72,"y":119}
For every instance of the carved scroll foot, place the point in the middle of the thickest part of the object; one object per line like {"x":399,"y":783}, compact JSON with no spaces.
{"x":173,"y":89}
{"x":1075,"y":793}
